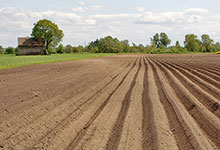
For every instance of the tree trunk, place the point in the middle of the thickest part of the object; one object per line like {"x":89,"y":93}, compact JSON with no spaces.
{"x":47,"y":46}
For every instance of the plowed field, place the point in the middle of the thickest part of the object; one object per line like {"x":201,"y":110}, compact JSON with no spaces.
{"x":129,"y":102}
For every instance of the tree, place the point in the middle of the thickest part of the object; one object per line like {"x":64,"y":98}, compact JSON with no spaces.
{"x":77,"y":49}
{"x":109,"y":45}
{"x":207,"y":42}
{"x":126,"y":46}
{"x":10,"y":50}
{"x":164,"y":40}
{"x":217,"y":46}
{"x":191,"y":42}
{"x":60,"y":49}
{"x":160,"y":40}
{"x":48,"y":31}
{"x":2,"y":51}
{"x":134,"y":48}
{"x":156,"y":40}
{"x":177,"y":44}
{"x":92,"y":49}
{"x":68,"y":48}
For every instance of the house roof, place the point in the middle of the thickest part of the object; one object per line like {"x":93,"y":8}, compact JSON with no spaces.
{"x":30,"y":42}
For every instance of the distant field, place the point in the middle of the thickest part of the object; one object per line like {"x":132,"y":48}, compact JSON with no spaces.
{"x":12,"y":61}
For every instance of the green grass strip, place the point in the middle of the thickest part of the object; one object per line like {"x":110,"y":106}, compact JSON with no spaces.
{"x":12,"y":61}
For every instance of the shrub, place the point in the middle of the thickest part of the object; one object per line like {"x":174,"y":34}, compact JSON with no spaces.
{"x":2,"y":51}
{"x":60,"y":49}
{"x":10,"y":50}
{"x":68,"y":49}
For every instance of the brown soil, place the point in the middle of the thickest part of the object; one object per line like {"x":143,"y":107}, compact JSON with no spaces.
{"x":126,"y":102}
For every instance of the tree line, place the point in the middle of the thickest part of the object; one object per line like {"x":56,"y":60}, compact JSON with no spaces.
{"x":159,"y":44}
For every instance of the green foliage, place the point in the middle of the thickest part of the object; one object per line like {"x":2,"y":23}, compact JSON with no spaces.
{"x":134,"y":48}
{"x":60,"y":49}
{"x":109,"y":45}
{"x":16,"y":50}
{"x":106,"y":45}
{"x":92,"y":49}
{"x":48,"y":31}
{"x":164,"y":40}
{"x":52,"y":50}
{"x":126,"y":46}
{"x":78,"y":49}
{"x":177,"y":44}
{"x":10,"y":50}
{"x":68,"y":49}
{"x":207,"y":42}
{"x":155,"y":41}
{"x":160,"y":41}
{"x":217,"y":46}
{"x":192,"y":43}
{"x":2,"y":51}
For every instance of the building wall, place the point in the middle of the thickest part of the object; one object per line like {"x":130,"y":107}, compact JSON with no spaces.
{"x":31,"y":51}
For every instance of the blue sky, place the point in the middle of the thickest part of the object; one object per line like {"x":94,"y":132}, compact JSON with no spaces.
{"x":137,"y":21}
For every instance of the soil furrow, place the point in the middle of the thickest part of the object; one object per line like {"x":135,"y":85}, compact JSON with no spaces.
{"x":202,"y":96}
{"x":98,"y":132}
{"x":176,"y":126}
{"x":82,"y":133}
{"x":205,"y":119}
{"x":24,"y":122}
{"x":79,"y":116}
{"x":163,"y":137}
{"x":115,"y":137}
{"x":47,"y":126}
{"x":147,"y":121}
{"x":197,"y":76}
{"x":39,"y":94}
{"x":209,"y":77}
{"x":122,"y":102}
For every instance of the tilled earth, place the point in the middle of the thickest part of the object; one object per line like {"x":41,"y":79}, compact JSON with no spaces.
{"x":125,"y":102}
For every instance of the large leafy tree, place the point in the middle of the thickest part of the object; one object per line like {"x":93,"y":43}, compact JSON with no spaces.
{"x":155,"y":41}
{"x":191,"y":42}
{"x":164,"y":40}
{"x":207,"y":42}
{"x":160,"y":40}
{"x":48,"y":31}
{"x":126,"y":46}
{"x":106,"y":45}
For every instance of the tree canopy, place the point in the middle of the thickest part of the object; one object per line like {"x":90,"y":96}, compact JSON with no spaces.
{"x":207,"y":42}
{"x":160,"y":40}
{"x":1,"y":50}
{"x":107,"y":45}
{"x":192,"y":42}
{"x":48,"y":31}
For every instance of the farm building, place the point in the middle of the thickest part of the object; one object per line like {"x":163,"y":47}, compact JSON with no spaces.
{"x":30,"y":46}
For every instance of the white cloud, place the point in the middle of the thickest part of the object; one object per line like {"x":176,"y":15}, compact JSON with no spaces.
{"x":84,"y":8}
{"x":188,"y":16}
{"x":81,"y":3}
{"x":140,"y":9}
{"x":79,"y":9}
{"x":95,"y":7}
{"x":137,"y":27}
{"x":196,"y":11}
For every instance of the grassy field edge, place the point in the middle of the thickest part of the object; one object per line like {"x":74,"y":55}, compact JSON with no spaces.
{"x":12,"y":61}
